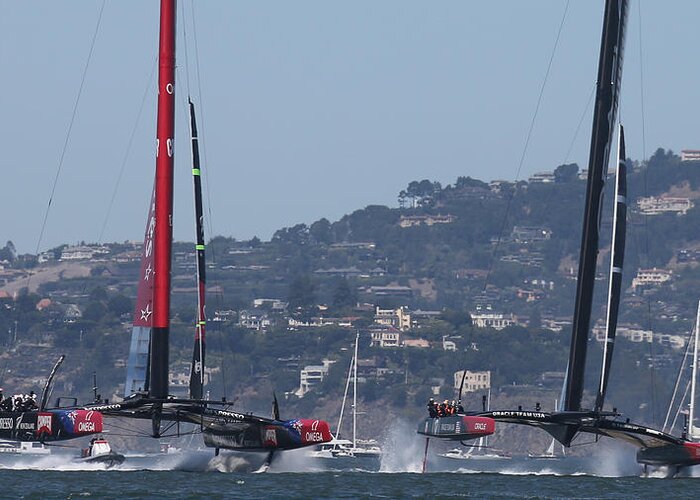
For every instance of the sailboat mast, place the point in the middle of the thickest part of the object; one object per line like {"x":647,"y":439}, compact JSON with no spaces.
{"x":345,"y":396}
{"x":691,"y":411}
{"x":354,"y":395}
{"x":165,"y":135}
{"x":616,"y":262}
{"x":197,"y":370}
{"x":607,"y":92}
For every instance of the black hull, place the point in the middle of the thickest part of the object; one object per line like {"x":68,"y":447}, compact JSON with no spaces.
{"x":458,"y":427}
{"x":109,"y":459}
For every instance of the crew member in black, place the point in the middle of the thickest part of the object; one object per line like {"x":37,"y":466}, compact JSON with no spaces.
{"x":432,"y":410}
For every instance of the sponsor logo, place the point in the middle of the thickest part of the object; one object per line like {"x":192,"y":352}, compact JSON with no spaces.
{"x":479,"y":426}
{"x":297,"y":426}
{"x":313,"y":437}
{"x":6,"y":423}
{"x":43,"y":423}
{"x":86,"y":426}
{"x":270,"y":437}
{"x":524,"y":414}
{"x":106,"y":407}
{"x":230,"y":414}
{"x":25,"y":426}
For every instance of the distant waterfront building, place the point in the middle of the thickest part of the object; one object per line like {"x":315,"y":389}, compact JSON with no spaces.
{"x":661,"y":205}
{"x":389,"y":291}
{"x":77,"y":253}
{"x":427,"y":220}
{"x":497,"y":321}
{"x":690,"y":155}
{"x":311,"y":376}
{"x":385,"y":336}
{"x":398,"y":318}
{"x":473,"y":381}
{"x":651,"y":277}
{"x":526,"y":234}
{"x":254,"y":320}
{"x":542,"y":178}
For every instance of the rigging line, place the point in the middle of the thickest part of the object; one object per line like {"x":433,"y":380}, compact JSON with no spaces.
{"x":580,"y":123}
{"x":128,"y":150}
{"x":210,"y":220}
{"x":678,"y":380}
{"x":527,"y":143}
{"x":187,"y":59}
{"x":652,"y":374}
{"x":70,"y":127}
{"x":680,"y":406}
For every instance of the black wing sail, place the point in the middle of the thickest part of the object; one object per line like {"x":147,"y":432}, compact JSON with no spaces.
{"x":607,"y":93}
{"x":197,"y":369}
{"x":616,"y":262}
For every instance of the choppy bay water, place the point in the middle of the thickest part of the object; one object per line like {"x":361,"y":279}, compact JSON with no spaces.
{"x":199,"y":475}
{"x":179,"y":484}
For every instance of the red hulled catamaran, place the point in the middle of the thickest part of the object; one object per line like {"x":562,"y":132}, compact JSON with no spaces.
{"x":146,"y":391}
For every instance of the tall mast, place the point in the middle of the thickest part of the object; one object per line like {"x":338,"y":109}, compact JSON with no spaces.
{"x":165,"y":135}
{"x":691,"y":412}
{"x":197,"y":371}
{"x":617,"y":259}
{"x":345,"y":396}
{"x":354,"y":395}
{"x":607,"y":92}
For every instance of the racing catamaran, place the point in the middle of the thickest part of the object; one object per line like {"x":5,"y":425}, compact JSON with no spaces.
{"x":41,"y":423}
{"x":565,"y":425}
{"x":147,"y":396}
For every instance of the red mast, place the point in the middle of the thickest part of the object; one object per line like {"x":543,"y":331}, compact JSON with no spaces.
{"x":165,"y":136}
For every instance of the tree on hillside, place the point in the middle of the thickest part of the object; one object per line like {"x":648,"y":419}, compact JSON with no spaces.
{"x":302,"y":293}
{"x":464,"y":182}
{"x":344,"y":295}
{"x":8,"y":252}
{"x":320,"y":231}
{"x":566,"y":173}
{"x":421,"y":193}
{"x":120,"y":304}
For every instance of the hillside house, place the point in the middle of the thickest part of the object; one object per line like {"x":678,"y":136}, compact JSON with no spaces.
{"x":398,"y":318}
{"x":664,"y":204}
{"x":473,"y":381}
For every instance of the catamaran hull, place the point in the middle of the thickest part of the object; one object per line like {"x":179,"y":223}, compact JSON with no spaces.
{"x":254,"y":436}
{"x":678,"y":455}
{"x":49,"y":425}
{"x":458,"y":427}
{"x":110,"y":459}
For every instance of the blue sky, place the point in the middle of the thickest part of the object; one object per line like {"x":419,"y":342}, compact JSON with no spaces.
{"x":313,"y":109}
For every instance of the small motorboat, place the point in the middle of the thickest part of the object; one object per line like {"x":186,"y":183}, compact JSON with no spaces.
{"x":100,"y":452}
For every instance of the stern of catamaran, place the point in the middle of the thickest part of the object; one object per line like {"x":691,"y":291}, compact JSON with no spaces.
{"x":678,"y":455}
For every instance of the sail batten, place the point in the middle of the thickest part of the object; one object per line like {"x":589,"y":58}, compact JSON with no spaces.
{"x":607,"y":93}
{"x":616,"y":264}
{"x":197,"y":368}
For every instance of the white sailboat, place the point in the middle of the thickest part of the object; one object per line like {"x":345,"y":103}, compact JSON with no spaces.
{"x":354,"y":448}
{"x":690,"y":431}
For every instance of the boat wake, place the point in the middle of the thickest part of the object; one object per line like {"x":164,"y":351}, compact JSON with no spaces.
{"x":402,"y":449}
